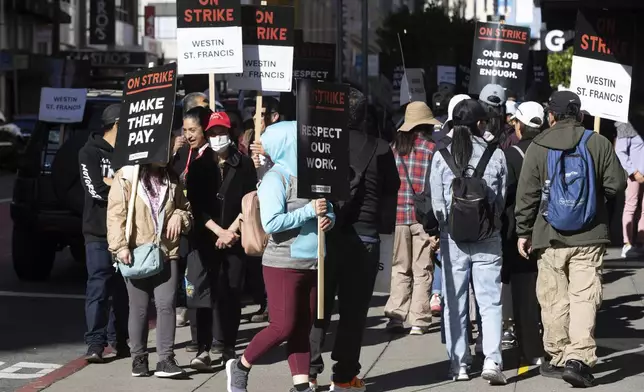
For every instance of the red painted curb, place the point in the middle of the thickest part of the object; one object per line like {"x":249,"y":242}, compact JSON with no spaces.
{"x":67,"y":370}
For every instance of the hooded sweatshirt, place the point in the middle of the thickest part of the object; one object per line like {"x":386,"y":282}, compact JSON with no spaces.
{"x":629,"y":148}
{"x":290,"y":222}
{"x":95,"y":165}
{"x":611,"y":179}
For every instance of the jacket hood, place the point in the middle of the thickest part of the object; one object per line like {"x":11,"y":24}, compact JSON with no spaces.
{"x":96,"y":140}
{"x":280,"y":143}
{"x":625,"y":130}
{"x":564,"y":135}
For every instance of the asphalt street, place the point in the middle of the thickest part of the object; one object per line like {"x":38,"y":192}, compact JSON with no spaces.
{"x":42,"y":324}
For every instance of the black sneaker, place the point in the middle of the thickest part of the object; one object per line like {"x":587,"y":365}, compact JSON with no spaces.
{"x":169,"y":368}
{"x":261,"y":316}
{"x":140,"y":366}
{"x":227,"y":354}
{"x":217,"y":347}
{"x":508,"y":339}
{"x":95,"y":354}
{"x":192,"y":347}
{"x":120,"y":350}
{"x":549,"y":370}
{"x":578,"y":374}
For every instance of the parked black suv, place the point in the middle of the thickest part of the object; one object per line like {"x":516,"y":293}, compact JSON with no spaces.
{"x":48,"y":197}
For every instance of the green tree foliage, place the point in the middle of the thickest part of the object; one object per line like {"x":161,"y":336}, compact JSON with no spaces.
{"x":432,"y":37}
{"x":559,"y":66}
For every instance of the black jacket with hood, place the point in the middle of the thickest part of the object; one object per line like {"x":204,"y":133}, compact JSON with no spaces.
{"x":95,"y":165}
{"x":610,"y":179}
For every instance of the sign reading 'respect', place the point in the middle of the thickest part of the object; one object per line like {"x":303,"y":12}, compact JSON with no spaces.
{"x":268,"y":49}
{"x":62,"y":105}
{"x":602,"y":63}
{"x":499,"y":56}
{"x":209,"y":36}
{"x":145,"y":123}
{"x":322,"y":140}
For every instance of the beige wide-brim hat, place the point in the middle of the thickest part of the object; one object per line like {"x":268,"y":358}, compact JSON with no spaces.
{"x":418,"y":113}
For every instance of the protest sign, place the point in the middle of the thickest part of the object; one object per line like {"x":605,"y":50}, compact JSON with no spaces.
{"x":445,"y":74}
{"x":62,"y":105}
{"x":412,"y":87}
{"x":396,"y":84}
{"x":209,"y":36}
{"x":322,"y":140}
{"x":268,"y":49}
{"x":314,"y":61}
{"x":147,"y":111}
{"x":499,"y":56}
{"x":602,"y":63}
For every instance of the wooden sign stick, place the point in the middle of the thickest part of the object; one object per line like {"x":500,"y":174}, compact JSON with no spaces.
{"x":321,"y":241}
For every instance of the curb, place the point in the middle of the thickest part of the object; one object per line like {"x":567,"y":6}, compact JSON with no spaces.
{"x":62,"y":373}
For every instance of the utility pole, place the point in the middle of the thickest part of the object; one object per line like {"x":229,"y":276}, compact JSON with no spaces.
{"x":365,"y":48}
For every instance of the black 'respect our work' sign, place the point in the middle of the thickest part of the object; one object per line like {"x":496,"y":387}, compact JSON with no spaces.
{"x":500,"y":56}
{"x":147,"y":111}
{"x":322,"y":140}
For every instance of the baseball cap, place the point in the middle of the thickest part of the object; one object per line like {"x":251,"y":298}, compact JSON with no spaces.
{"x":469,"y":112}
{"x":453,"y":102}
{"x":510,"y":107}
{"x":111,"y":115}
{"x":561,"y":101}
{"x":220,"y":119}
{"x":492,"y":94}
{"x":528,"y":112}
{"x":440,"y":100}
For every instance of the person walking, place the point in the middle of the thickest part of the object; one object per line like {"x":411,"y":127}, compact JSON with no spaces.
{"x":629,"y":147}
{"x":470,"y":247}
{"x":411,"y":276}
{"x":354,"y":250}
{"x":568,"y":238}
{"x":528,"y":119}
{"x":161,"y":214}
{"x":106,"y":322}
{"x":289,"y":260}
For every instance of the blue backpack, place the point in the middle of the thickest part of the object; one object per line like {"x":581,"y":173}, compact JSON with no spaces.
{"x":570,"y":191}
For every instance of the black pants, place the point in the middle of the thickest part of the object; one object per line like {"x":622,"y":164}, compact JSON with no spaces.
{"x":255,"y":280}
{"x":527,"y":314}
{"x":350,"y":270}
{"x":220,"y":318}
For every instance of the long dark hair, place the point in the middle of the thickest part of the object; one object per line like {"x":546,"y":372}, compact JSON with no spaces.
{"x":404,"y":142}
{"x":496,"y":122}
{"x":147,"y":172}
{"x":462,"y":147}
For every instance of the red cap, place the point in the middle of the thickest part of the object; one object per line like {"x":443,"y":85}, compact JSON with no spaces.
{"x":218,"y":119}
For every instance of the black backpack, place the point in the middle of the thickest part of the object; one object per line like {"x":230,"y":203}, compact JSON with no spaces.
{"x":423,"y":202}
{"x":471,"y":216}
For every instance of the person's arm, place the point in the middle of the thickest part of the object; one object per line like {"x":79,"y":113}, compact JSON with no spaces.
{"x":512,"y":178}
{"x":272,"y":201}
{"x":117,"y":215}
{"x":622,"y":149}
{"x":91,"y":176}
{"x":614,"y":176}
{"x":182,"y":209}
{"x":391,"y":184}
{"x":439,"y":205}
{"x":528,"y":192}
{"x":202,"y":193}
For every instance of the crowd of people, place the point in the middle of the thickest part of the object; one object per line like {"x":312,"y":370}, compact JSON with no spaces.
{"x":497,"y":210}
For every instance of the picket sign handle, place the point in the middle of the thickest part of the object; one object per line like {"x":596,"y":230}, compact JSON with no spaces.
{"x":211,"y":91}
{"x":321,"y":241}
{"x":130,"y":204}
{"x":598,"y":121}
{"x":259,"y":102}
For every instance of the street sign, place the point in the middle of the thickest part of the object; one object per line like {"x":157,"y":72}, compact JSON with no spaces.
{"x":102,"y":22}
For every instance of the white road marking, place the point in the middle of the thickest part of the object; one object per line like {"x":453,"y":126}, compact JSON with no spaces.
{"x":40,"y":295}
{"x":12,"y":371}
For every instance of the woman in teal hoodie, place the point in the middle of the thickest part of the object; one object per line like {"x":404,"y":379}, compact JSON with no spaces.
{"x":289,"y":261}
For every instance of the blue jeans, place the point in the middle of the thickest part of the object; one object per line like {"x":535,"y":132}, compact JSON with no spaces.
{"x":105,"y":323}
{"x":481,"y":261}
{"x":437,"y":284}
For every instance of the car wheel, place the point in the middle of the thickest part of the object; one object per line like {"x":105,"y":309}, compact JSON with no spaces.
{"x":77,"y":250}
{"x":31,"y":261}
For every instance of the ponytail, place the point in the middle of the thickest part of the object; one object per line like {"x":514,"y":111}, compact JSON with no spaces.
{"x":462,"y":147}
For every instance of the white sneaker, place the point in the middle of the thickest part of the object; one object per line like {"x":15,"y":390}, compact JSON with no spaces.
{"x":626,"y":250}
{"x":462,"y":374}
{"x":418,"y":330}
{"x":182,"y":317}
{"x":492,"y":373}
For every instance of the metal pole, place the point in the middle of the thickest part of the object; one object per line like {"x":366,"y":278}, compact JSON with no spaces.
{"x":339,"y":47}
{"x":3,"y":46}
{"x":365,"y":47}
{"x":55,"y":33}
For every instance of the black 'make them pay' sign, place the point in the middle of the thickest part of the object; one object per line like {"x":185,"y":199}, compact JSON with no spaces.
{"x":147,"y":111}
{"x":322,"y":140}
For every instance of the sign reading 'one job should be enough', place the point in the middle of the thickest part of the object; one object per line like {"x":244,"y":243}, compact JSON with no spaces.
{"x":268,"y":49}
{"x":209,"y":36}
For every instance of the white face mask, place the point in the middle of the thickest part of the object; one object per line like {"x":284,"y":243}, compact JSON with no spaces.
{"x":219,"y":143}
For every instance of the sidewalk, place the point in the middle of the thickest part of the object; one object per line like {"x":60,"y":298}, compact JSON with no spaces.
{"x":414,"y":363}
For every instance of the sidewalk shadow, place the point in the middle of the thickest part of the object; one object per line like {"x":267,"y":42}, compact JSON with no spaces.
{"x":421,"y":376}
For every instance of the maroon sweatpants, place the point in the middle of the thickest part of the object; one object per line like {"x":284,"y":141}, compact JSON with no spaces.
{"x":292,"y":296}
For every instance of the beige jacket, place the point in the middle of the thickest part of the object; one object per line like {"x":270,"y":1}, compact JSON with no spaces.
{"x":143,"y":229}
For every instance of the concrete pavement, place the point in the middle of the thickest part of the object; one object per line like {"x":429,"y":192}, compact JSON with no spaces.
{"x":413,"y":363}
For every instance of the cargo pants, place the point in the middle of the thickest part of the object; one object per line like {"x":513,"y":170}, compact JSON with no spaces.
{"x":569,"y":290}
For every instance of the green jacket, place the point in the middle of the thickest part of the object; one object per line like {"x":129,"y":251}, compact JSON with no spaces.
{"x":611,"y":179}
